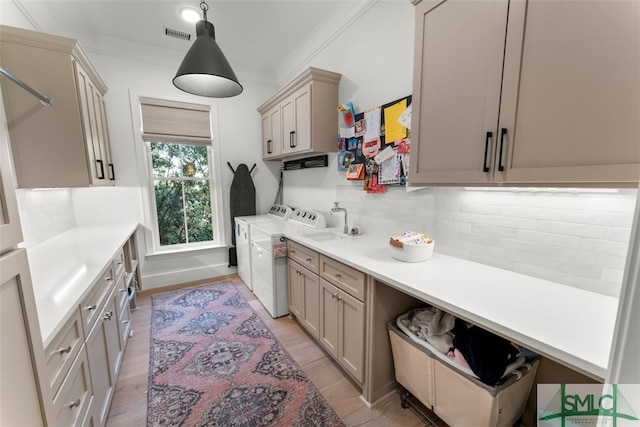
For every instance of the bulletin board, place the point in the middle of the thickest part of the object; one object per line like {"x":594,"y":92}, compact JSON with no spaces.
{"x":374,"y":144}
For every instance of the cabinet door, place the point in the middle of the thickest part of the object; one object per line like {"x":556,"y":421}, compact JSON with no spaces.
{"x":296,"y":291}
{"x":296,"y":121}
{"x":19,"y":399}
{"x":103,"y":346}
{"x":10,"y":229}
{"x":329,"y":318}
{"x":271,"y":133}
{"x":105,"y":141}
{"x":87,"y":101}
{"x":570,"y":102}
{"x":456,"y":90}
{"x":351,"y":335}
{"x":311,"y":301}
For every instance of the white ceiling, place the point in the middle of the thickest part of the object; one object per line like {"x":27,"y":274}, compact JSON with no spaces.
{"x":254,"y":33}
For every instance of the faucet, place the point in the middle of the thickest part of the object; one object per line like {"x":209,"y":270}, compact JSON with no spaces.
{"x":337,"y":208}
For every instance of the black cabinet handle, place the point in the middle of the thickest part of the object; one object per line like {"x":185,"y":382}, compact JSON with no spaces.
{"x":485,"y":168}
{"x":291,"y":143}
{"x":101,"y":176}
{"x":268,"y":146}
{"x":113,"y":173}
{"x":503,"y":132}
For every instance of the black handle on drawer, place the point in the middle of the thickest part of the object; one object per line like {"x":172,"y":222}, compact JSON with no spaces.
{"x":485,"y":168}
{"x":268,"y":146}
{"x":113,"y":173}
{"x":503,"y":132}
{"x":101,"y":176}
{"x":291,"y":139}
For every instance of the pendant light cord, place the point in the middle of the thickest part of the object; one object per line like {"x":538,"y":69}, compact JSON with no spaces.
{"x":204,"y":6}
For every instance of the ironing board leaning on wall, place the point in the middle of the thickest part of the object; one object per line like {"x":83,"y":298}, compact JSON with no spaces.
{"x":242,"y":201}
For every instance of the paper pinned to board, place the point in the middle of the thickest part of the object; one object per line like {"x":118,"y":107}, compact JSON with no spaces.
{"x":393,"y":129}
{"x":385,"y":154}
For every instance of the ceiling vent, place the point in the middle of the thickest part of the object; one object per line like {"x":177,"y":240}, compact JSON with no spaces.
{"x":177,"y":34}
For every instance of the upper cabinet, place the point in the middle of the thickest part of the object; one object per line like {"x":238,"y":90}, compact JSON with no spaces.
{"x":65,"y":144}
{"x":526,"y":93}
{"x":302,"y":118}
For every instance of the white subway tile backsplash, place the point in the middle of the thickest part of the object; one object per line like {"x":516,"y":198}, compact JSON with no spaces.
{"x":550,"y":239}
{"x":604,"y":246}
{"x":573,"y":229}
{"x":619,"y":234}
{"x":575,"y":238}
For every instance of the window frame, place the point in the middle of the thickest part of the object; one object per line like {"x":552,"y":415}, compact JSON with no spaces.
{"x":145,"y":177}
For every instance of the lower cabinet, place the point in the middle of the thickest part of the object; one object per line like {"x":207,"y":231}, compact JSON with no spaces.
{"x":330,"y":306}
{"x":342,"y":328}
{"x":104,"y":349}
{"x":304,"y":291}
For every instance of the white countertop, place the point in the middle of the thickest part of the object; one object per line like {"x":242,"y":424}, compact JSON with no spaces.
{"x":65,"y":267}
{"x":562,"y":322}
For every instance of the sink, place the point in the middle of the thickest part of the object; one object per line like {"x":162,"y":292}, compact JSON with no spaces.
{"x":325,"y":236}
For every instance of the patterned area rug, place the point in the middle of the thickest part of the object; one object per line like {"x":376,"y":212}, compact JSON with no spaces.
{"x":213,"y":362}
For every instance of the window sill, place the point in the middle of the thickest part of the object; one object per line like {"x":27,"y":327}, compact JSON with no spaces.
{"x":176,"y":253}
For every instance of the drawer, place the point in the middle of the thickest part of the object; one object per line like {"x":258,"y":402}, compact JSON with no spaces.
{"x":62,"y":351}
{"x":92,"y":304}
{"x":346,"y":278}
{"x":73,"y":401}
{"x":118,"y":263}
{"x":304,"y":256}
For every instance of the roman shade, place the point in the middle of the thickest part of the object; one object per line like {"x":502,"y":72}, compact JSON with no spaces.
{"x":172,"y":121}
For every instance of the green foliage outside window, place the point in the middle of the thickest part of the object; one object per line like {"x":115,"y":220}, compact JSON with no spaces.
{"x":182,"y":193}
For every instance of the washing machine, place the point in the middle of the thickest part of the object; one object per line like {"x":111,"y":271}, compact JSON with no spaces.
{"x":276,"y":213}
{"x":269,"y":258}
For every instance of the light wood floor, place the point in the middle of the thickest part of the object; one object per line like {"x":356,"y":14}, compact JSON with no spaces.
{"x":129,"y":406}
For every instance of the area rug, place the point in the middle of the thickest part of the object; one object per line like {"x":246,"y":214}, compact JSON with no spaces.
{"x":213,"y":362}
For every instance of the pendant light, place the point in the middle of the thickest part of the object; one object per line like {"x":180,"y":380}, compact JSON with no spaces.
{"x":204,"y":70}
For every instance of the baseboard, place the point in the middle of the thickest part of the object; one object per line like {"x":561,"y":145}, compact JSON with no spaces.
{"x":169,"y":288}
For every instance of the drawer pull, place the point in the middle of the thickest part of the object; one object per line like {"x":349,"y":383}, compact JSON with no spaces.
{"x":125,"y":322}
{"x":339,"y":298}
{"x":334,"y":296}
{"x":74,"y":404}
{"x":122,"y":290}
{"x":107,"y":315}
{"x":338,"y":275}
{"x":308,"y":259}
{"x":65,"y":350}
{"x":91,"y":307}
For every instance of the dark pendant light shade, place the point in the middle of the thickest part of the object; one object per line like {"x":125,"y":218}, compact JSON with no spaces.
{"x":204,"y":70}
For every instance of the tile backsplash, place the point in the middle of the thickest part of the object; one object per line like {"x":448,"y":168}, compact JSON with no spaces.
{"x":44,"y":214}
{"x":574,"y":238}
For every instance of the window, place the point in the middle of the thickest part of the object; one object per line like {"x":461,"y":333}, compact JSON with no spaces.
{"x":182,"y":193}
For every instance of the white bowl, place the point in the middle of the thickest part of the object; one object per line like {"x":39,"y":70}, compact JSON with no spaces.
{"x":413,"y":253}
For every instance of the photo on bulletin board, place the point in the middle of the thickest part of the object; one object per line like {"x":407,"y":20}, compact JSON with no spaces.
{"x":390,"y":129}
{"x":350,"y":149}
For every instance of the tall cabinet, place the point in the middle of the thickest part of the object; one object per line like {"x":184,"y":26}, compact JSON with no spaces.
{"x":526,"y":92}
{"x":19,"y":328}
{"x":65,"y":144}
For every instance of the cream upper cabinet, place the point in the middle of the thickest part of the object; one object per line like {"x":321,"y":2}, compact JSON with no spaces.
{"x":562,"y":110}
{"x":306,"y":116}
{"x":65,"y":144}
{"x":296,"y":121}
{"x":272,"y":133}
